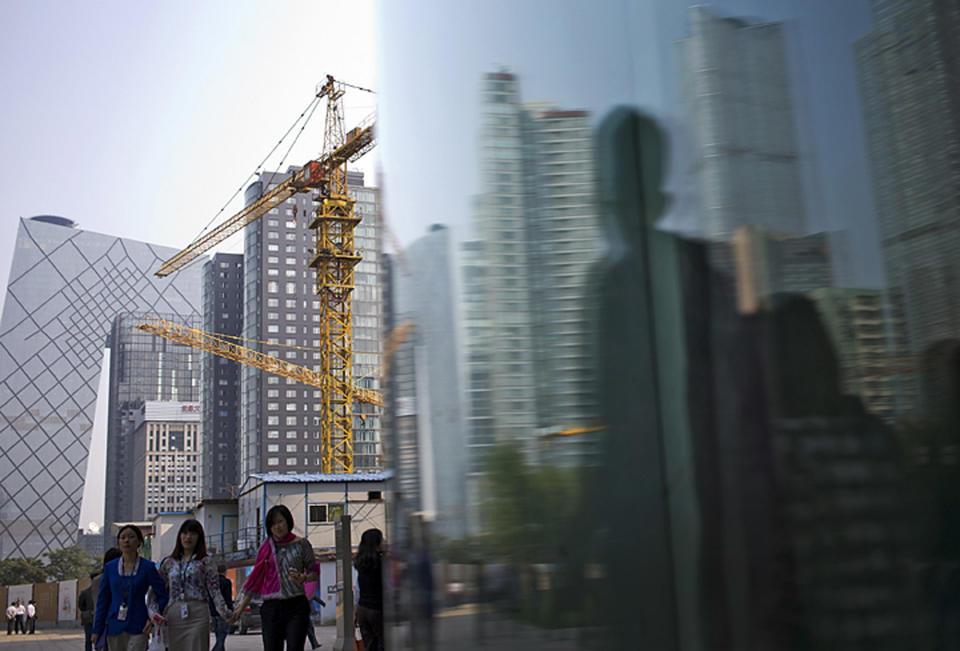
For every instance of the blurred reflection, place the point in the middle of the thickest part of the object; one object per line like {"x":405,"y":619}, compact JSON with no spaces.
{"x":666,"y":387}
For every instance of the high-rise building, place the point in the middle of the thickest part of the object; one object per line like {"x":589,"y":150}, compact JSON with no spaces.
{"x":66,"y":286}
{"x":165,"y":466}
{"x":143,"y":368}
{"x":280,"y":418}
{"x":428,"y":426}
{"x":526,"y":297}
{"x":736,"y":90}
{"x":220,"y":392}
{"x":910,"y":91}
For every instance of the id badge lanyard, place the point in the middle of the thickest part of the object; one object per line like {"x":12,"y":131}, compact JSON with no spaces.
{"x":126,"y":587}
{"x":184,"y":611}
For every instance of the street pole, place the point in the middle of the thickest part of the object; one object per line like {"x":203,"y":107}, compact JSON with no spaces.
{"x":344,"y":586}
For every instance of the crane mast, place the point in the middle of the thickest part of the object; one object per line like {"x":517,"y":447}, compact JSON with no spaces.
{"x":335,"y":259}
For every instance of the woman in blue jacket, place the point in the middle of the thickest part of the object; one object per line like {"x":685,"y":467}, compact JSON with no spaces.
{"x":121,"y":604}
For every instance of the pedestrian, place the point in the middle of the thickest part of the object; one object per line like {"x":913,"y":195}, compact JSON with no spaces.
{"x":222,"y":626}
{"x":11,"y":616}
{"x":121,"y":612}
{"x":87,"y":600}
{"x":191,"y":583}
{"x":32,"y":616}
{"x":21,"y":625}
{"x":369,"y":612}
{"x":284,"y":563}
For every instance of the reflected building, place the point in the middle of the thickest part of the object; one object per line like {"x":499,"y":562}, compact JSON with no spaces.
{"x":143,"y":368}
{"x":220,"y":393}
{"x":429,"y":429}
{"x":859,"y":329}
{"x":280,"y":421}
{"x":736,"y":90}
{"x":911,"y":102}
{"x":66,"y":287}
{"x":528,"y":362}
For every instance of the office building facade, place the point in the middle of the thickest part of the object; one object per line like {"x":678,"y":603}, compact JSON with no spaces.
{"x":220,"y":390}
{"x":66,"y":286}
{"x":166,"y":464}
{"x":742,"y":120}
{"x":143,"y":368}
{"x":280,"y":418}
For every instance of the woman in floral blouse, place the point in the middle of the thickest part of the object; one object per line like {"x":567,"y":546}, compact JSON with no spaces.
{"x":191,"y":582}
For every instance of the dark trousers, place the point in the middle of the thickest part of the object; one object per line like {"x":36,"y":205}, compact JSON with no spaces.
{"x":370,"y":622}
{"x":10,"y":625}
{"x":33,"y":624}
{"x":20,"y":626}
{"x":284,"y":620}
{"x":87,"y":631}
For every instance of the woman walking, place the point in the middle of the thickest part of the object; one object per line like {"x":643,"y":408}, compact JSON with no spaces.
{"x":191,"y":582}
{"x":369,"y":564}
{"x":121,"y":612}
{"x":284,"y":563}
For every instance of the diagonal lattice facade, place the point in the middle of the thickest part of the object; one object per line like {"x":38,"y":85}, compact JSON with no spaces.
{"x":65,"y":288}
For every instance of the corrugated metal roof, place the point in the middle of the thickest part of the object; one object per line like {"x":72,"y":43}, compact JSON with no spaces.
{"x":317,"y":477}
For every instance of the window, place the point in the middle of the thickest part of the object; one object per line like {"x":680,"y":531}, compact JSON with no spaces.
{"x":291,"y":420}
{"x":273,"y":461}
{"x":273,"y":286}
{"x":318,"y":513}
{"x":291,"y":461}
{"x":291,"y":447}
{"x":273,"y":447}
{"x":273,"y":434}
{"x":374,"y":496}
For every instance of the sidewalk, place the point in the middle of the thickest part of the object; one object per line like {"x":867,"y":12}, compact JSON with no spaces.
{"x":51,"y":639}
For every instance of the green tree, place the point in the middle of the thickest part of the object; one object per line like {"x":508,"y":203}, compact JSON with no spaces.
{"x":17,"y":571}
{"x":69,"y":563}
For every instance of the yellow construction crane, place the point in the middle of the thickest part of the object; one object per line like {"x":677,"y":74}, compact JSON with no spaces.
{"x":223,"y":347}
{"x":334,"y":260}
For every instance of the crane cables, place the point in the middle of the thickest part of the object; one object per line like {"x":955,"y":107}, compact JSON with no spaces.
{"x":308,"y":112}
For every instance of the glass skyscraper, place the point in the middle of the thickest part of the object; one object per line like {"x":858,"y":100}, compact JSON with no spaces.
{"x":66,"y":287}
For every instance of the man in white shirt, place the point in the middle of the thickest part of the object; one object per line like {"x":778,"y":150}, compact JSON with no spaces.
{"x":32,"y":616}
{"x":11,"y":616}
{"x":20,"y":625}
